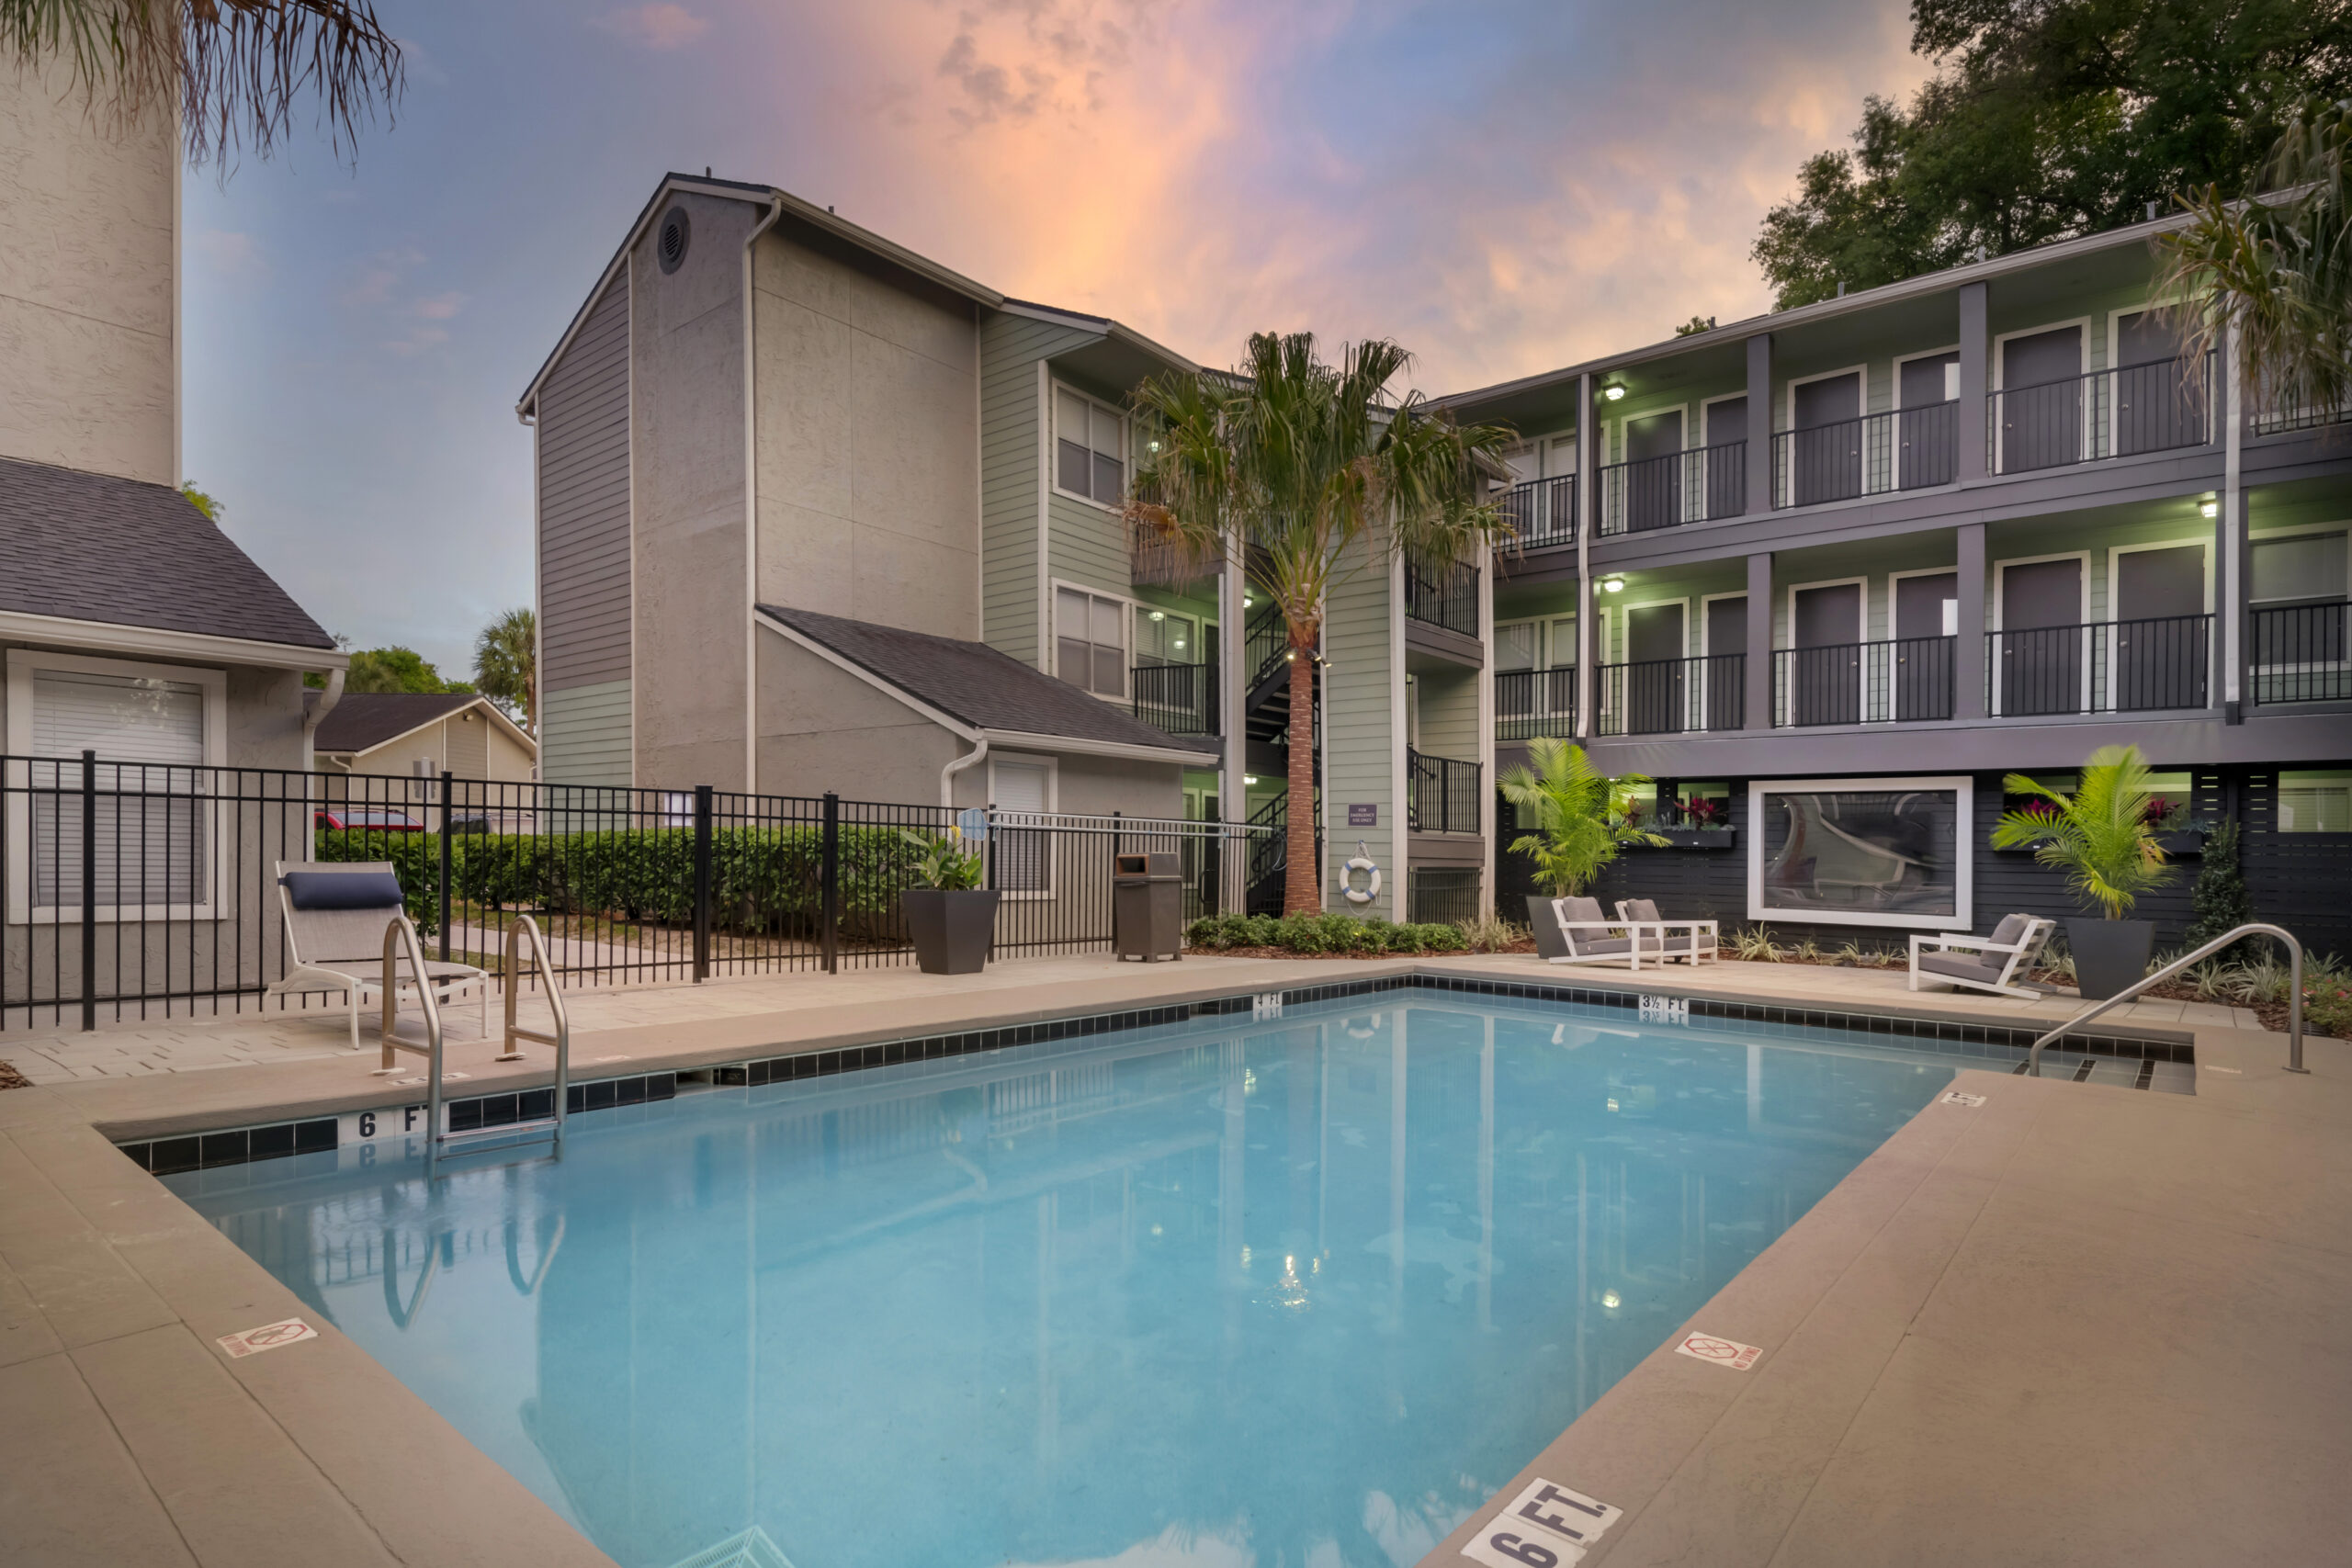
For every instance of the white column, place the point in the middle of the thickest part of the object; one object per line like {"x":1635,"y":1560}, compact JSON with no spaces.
{"x":2232,"y":573}
{"x":1233,"y":677}
{"x":1486,"y":821}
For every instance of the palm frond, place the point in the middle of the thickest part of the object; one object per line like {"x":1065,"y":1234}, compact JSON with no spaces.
{"x":2100,"y":837}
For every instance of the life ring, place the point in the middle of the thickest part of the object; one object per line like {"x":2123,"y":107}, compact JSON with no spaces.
{"x":1362,"y":862}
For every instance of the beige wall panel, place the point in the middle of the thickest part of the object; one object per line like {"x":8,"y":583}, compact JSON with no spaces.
{"x":823,"y":729}
{"x":88,"y":245}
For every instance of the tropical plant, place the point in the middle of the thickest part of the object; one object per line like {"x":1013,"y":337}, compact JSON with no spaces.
{"x":2101,"y":835}
{"x":233,"y":69}
{"x":1581,"y":817}
{"x":945,"y":862}
{"x":2274,"y":256}
{"x":1309,"y":472}
{"x":1755,"y":944}
{"x":506,"y":664}
{"x":1492,"y":933}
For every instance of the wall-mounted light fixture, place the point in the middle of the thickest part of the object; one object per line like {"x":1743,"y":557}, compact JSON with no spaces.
{"x":1159,"y":614}
{"x":1614,"y":584}
{"x":1249,"y":778}
{"x":1614,"y":390}
{"x":2209,"y":509}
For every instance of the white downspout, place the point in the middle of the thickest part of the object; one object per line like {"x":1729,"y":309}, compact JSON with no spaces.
{"x":752,"y":504}
{"x":948,"y":774}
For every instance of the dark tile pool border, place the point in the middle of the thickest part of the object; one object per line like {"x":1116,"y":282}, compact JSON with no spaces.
{"x":277,"y":1140}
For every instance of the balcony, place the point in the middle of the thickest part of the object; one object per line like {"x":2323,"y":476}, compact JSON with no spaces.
{"x":1906,"y":680}
{"x":1529,"y":703}
{"x":1443,"y":795}
{"x":1160,"y":561}
{"x":2158,"y":407}
{"x":2110,"y":667}
{"x":1671,"y":696}
{"x":1541,"y":513}
{"x":1900,"y":449}
{"x":1697,"y":486}
{"x":1447,"y":600}
{"x":1177,"y":699}
{"x":2301,"y":653}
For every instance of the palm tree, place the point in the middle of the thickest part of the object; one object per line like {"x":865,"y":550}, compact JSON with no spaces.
{"x":2277,"y":259}
{"x":2103,"y":836}
{"x":1308,"y":471}
{"x":1581,"y":817}
{"x":506,"y":663}
{"x":234,"y":67}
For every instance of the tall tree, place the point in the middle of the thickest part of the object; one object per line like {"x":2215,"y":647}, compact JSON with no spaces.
{"x":236,"y":68}
{"x":397,"y":668}
{"x":1309,"y":470}
{"x":2048,"y":118}
{"x":506,"y":664}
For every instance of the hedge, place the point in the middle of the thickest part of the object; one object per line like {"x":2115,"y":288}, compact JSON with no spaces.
{"x":1323,"y":934}
{"x":765,"y":881}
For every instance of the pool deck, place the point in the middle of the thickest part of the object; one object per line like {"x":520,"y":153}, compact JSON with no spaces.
{"x":2072,"y":1324}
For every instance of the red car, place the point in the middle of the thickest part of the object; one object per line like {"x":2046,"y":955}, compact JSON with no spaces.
{"x":367,"y":819}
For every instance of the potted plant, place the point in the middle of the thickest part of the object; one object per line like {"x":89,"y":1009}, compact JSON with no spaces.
{"x":1581,"y":819}
{"x":2104,"y":838}
{"x":1705,"y":824}
{"x":951,"y":917}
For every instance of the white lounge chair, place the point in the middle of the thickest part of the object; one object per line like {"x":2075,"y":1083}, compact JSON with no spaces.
{"x":1985,"y":963}
{"x":336,"y":914}
{"x":1686,"y":939}
{"x":1591,"y":938}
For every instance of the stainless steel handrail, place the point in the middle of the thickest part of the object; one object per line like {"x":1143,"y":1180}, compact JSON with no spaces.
{"x":561,"y":1039}
{"x":2294,"y":994}
{"x":398,"y":933}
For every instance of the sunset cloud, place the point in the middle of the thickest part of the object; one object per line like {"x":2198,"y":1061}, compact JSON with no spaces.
{"x":661,"y":27}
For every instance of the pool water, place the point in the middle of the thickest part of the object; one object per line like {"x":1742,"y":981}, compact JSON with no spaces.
{"x":1299,"y":1292}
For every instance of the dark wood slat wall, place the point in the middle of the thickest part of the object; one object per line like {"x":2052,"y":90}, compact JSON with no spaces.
{"x":2302,"y":881}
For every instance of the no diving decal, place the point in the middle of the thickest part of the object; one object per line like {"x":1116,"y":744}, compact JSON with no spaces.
{"x":1546,"y":1526}
{"x":1722,"y":1352}
{"x":268,"y":1336}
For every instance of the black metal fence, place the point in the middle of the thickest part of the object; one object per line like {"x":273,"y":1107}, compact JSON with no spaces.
{"x":1180,"y":699}
{"x":2157,"y":407}
{"x":1541,"y":513}
{"x":1896,"y":449}
{"x":1666,"y":696}
{"x":143,"y":890}
{"x":2113,"y":667}
{"x":1529,"y":703}
{"x":1447,"y":599}
{"x":1908,"y":679}
{"x":1694,"y":485}
{"x":1444,"y":894}
{"x":1444,"y":794}
{"x":2302,"y":653}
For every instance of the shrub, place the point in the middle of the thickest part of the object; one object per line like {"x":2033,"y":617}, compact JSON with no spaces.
{"x":2219,"y":895}
{"x":1307,"y":935}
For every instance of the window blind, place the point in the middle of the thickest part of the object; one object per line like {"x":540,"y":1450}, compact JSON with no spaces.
{"x":148,"y":735}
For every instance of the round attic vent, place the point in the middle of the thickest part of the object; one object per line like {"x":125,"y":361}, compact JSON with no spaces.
{"x":672,"y":243}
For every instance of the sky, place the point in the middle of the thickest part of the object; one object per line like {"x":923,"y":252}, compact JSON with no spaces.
{"x":1502,"y":188}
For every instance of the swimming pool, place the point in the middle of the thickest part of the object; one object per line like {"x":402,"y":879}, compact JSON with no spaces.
{"x":1297,"y":1292}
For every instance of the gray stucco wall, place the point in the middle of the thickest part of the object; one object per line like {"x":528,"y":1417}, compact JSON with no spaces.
{"x":823,"y":729}
{"x":868,"y":401}
{"x":690,"y":620}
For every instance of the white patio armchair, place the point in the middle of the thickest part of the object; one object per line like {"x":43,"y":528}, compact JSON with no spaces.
{"x":335,"y":918}
{"x":1592,"y":938}
{"x":1992,"y":962}
{"x":1688,"y":939}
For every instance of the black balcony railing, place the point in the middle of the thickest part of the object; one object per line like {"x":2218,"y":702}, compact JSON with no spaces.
{"x":2294,"y":416}
{"x":1666,"y":696}
{"x":1898,"y":449}
{"x":2110,"y":667}
{"x":1541,"y":513}
{"x":1906,"y":680}
{"x":2302,"y":654}
{"x":1445,"y":599}
{"x":1181,"y":699}
{"x":1697,"y":486}
{"x":2157,"y":407}
{"x":1159,"y":559}
{"x":1444,"y":794}
{"x":1529,"y":703}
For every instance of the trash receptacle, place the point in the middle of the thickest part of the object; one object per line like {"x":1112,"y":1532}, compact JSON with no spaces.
{"x":1148,"y":906}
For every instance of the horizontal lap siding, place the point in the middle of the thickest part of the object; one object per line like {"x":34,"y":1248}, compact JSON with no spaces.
{"x":1360,"y":739}
{"x":1011,"y":348}
{"x":584,"y":548}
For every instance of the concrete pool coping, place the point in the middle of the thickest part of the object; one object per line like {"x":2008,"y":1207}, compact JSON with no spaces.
{"x":148,"y":1443}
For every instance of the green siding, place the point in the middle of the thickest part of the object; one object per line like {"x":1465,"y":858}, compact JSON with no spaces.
{"x":1011,"y":348}
{"x":1449,"y":712}
{"x":1360,"y":742}
{"x":585,"y":736}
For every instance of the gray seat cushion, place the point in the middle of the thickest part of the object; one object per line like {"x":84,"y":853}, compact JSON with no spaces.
{"x":1594,"y":946}
{"x":1643,"y":909}
{"x":1581,"y":911}
{"x":1962,"y":969}
{"x":2011,"y":930}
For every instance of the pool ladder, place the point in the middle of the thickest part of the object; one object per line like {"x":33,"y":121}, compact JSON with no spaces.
{"x":2294,"y":995}
{"x":400,"y":935}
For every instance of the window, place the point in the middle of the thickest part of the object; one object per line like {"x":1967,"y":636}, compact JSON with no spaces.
{"x":2300,"y":568}
{"x":1090,"y":448}
{"x":1860,"y":851}
{"x":2315,"y":802}
{"x":1089,"y":642}
{"x":1023,"y":854}
{"x":1163,"y":636}
{"x":154,"y":728}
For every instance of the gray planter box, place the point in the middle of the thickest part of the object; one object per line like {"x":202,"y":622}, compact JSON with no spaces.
{"x":2108,"y":954}
{"x":952,"y":931}
{"x":1549,"y":944}
{"x":1698,"y":838}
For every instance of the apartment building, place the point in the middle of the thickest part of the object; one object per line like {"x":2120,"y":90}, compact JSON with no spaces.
{"x":818,"y":513}
{"x":1828,"y":576}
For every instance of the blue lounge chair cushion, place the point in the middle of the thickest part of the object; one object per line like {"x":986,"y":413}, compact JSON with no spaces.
{"x":342,"y":889}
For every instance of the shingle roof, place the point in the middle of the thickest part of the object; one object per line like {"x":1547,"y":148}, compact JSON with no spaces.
{"x":975,"y":683}
{"x":361,"y":719}
{"x":93,"y":548}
